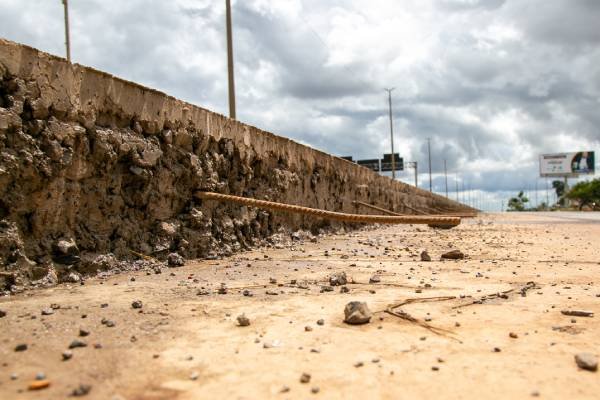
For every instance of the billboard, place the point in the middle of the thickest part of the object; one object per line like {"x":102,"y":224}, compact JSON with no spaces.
{"x":386,"y":162}
{"x":567,"y":164}
{"x":371,"y":164}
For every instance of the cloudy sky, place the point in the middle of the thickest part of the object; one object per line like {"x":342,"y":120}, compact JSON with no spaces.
{"x":493,"y":83}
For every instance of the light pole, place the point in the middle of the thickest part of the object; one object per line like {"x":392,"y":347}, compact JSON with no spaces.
{"x":456,"y":183}
{"x":429,"y":154}
{"x":67,"y":38}
{"x":230,"y":60}
{"x":446,"y":177}
{"x":391,"y":132}
{"x":413,"y":164}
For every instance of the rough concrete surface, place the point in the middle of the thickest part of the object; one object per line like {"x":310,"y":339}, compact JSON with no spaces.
{"x":489,"y":326}
{"x":94,"y":168}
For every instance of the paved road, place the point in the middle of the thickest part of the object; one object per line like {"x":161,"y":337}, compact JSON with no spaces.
{"x":488,"y":326}
{"x":556,"y":217}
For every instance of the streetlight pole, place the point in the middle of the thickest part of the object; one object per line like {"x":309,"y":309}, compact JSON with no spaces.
{"x":391,"y":132}
{"x":429,"y":154}
{"x":413,"y":164}
{"x":67,"y":38}
{"x":446,"y":176}
{"x":456,"y":183}
{"x":230,"y":60}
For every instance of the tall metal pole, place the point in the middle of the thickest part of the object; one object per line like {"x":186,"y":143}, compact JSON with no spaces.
{"x":456,"y":183}
{"x":429,"y":153}
{"x":446,"y":176}
{"x":67,"y":36}
{"x":230,"y":61}
{"x":416,"y":175}
{"x":391,"y":132}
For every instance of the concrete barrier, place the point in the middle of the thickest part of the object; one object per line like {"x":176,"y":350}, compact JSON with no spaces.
{"x":108,"y":166}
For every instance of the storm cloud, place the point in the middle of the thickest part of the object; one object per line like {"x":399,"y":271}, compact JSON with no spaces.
{"x":492,"y":83}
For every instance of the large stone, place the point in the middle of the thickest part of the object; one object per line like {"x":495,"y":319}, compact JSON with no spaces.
{"x":66,"y":247}
{"x":338,"y":279}
{"x":425,"y":256}
{"x":175,"y":260}
{"x":587,"y":361}
{"x":453,"y":255}
{"x":357,"y":313}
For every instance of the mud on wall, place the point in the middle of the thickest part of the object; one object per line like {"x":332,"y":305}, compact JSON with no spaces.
{"x":91,"y":164}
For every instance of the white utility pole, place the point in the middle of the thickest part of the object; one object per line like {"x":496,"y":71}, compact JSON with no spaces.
{"x":391,"y":132}
{"x":67,"y":36}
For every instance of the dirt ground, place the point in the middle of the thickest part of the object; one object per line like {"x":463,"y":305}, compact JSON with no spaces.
{"x":185,"y":344}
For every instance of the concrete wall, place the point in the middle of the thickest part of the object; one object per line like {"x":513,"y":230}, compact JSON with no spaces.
{"x":110,"y":165}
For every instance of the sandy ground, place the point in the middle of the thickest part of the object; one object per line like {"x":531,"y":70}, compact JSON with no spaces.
{"x":181,"y":345}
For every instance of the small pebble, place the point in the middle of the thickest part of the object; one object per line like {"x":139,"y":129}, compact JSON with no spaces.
{"x":77,"y":343}
{"x":21,"y":347}
{"x":137,"y":304}
{"x":82,"y":390}
{"x":243,"y":320}
{"x":305,"y":378}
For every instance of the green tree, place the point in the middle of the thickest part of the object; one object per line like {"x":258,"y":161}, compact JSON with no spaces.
{"x":518,"y":203}
{"x":586,"y":193}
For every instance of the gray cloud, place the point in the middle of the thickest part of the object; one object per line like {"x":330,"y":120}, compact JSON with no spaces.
{"x":493,"y":83}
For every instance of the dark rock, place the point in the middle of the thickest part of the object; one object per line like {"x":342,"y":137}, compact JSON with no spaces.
{"x":375,"y":279}
{"x":577,"y":313}
{"x":47,"y":311}
{"x":222,"y":289}
{"x":453,"y":255}
{"x":21,"y":347}
{"x":82,"y":390}
{"x":357,"y":313}
{"x":326,"y":289}
{"x":321,"y":322}
{"x":338,"y":279}
{"x":175,"y":260}
{"x":137,"y":304}
{"x":77,"y":343}
{"x":83,"y":332}
{"x":305,"y":378}
{"x":425,"y":256}
{"x":344,"y":289}
{"x":67,"y":355}
{"x":587,"y":361}
{"x":243,"y":320}
{"x":108,"y":323}
{"x":2,"y":313}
